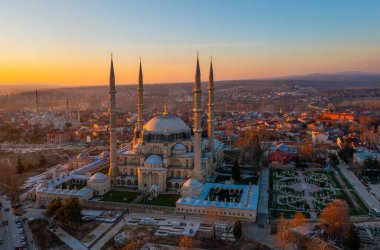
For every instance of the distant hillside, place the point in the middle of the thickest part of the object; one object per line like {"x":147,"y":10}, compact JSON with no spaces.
{"x":353,"y":79}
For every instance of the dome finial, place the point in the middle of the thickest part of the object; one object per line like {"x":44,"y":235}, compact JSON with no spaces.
{"x":165,"y":109}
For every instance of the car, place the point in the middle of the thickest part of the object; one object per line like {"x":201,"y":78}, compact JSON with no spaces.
{"x":18,"y":219}
{"x":19,"y":225}
{"x":22,"y":237}
{"x":23,"y":244}
{"x":7,"y":209}
{"x":21,"y":231}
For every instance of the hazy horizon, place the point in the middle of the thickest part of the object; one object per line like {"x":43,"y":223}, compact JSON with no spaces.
{"x":70,"y":42}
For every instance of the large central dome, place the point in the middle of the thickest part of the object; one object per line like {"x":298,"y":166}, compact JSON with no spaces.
{"x":166,"y":124}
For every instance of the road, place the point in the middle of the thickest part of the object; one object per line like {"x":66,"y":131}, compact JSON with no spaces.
{"x":10,"y":233}
{"x":360,"y":189}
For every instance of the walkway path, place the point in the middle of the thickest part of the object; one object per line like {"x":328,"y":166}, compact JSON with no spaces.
{"x":262,"y":210}
{"x":68,"y":239}
{"x":307,"y":197}
{"x":368,"y":198}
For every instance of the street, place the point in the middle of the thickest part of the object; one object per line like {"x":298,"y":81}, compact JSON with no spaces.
{"x":10,"y":234}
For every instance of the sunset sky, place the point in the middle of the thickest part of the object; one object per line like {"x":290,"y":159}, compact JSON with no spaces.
{"x":69,"y":42}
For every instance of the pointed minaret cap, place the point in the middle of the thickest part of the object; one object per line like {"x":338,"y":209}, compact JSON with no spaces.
{"x":112,"y":73}
{"x":211,"y":78}
{"x":198,"y":70}
{"x":140,"y":73}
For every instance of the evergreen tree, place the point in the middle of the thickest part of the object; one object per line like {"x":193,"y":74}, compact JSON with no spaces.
{"x":237,"y":230}
{"x":20,"y":166}
{"x":334,"y":159}
{"x":235,"y":171}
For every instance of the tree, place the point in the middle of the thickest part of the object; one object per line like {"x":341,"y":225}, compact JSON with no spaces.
{"x":351,"y":240}
{"x":235,"y":171}
{"x":346,"y":153}
{"x":53,"y":207}
{"x":282,"y":232}
{"x":299,"y":220}
{"x":237,"y":230}
{"x":19,"y":166}
{"x":334,"y":159}
{"x":43,"y":161}
{"x":185,"y":242}
{"x":70,"y":212}
{"x":335,"y":219}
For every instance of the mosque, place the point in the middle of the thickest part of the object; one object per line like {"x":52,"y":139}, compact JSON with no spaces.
{"x":165,"y":152}
{"x":165,"y":155}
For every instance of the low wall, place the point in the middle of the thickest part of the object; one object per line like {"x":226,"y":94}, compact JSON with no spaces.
{"x":127,"y":206}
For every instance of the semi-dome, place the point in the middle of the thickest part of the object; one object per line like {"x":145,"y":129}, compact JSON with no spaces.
{"x":179,"y":148}
{"x":166,"y":124}
{"x":153,"y":161}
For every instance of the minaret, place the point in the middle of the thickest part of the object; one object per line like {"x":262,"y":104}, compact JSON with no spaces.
{"x":67,"y":109}
{"x":197,"y":110}
{"x":78,"y":113}
{"x":140,"y":100}
{"x":36,"y":103}
{"x":210,"y":106}
{"x":112,"y":173}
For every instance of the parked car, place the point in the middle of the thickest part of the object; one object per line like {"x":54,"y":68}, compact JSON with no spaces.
{"x":23,"y":244}
{"x":21,"y":231}
{"x":19,"y":225}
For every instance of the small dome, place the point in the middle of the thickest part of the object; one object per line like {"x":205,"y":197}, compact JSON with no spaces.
{"x":83,"y":156}
{"x":98,"y":177}
{"x":153,"y":160}
{"x":192,"y":183}
{"x":166,"y":124}
{"x":104,"y":154}
{"x":179,"y":148}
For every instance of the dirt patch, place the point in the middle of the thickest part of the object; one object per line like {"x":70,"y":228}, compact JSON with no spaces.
{"x":81,"y":231}
{"x":43,"y":237}
{"x":139,"y":235}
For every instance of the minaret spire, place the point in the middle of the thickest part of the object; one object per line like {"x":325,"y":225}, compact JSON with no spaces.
{"x":36,"y":103}
{"x":67,"y":109}
{"x":140,"y":101}
{"x":113,"y":172}
{"x":197,"y":110}
{"x":140,"y":107}
{"x":210,"y":106}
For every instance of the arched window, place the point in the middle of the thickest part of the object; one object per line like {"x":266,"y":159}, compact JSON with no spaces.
{"x":156,"y":150}
{"x":175,"y":163}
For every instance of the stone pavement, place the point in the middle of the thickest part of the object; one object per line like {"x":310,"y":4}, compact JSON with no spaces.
{"x":68,"y":239}
{"x":262,"y":210}
{"x":359,"y":188}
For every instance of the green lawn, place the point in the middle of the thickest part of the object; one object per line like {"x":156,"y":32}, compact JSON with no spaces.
{"x":166,"y":200}
{"x":118,"y":196}
{"x":104,"y":170}
{"x":222,"y":178}
{"x":252,"y":180}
